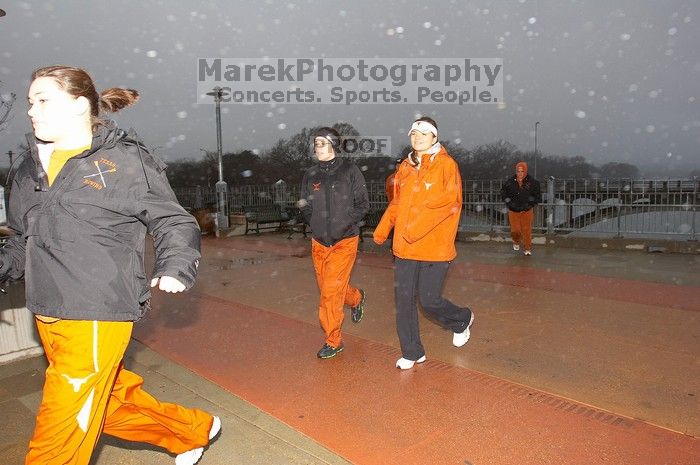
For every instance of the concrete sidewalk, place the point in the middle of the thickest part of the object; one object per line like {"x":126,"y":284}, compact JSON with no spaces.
{"x":249,"y":436}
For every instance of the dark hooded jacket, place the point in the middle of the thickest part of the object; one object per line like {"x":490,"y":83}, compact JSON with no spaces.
{"x":521,"y":197}
{"x":334,"y":200}
{"x":80,"y":242}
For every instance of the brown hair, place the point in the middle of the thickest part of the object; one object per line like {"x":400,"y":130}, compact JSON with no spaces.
{"x":78,"y":83}
{"x":427,"y":119}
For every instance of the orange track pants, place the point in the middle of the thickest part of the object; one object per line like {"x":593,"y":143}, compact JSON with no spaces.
{"x":521,"y":227}
{"x":87,"y":391}
{"x":333,"y":266}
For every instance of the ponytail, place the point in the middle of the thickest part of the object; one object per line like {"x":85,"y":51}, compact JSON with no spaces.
{"x":114,"y":99}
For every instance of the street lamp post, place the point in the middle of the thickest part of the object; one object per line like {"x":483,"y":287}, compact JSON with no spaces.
{"x":206,"y":159}
{"x":221,"y":187}
{"x":535,"y":170}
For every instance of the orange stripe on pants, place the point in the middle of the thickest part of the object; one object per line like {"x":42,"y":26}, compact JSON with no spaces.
{"x":333,"y":266}
{"x":521,"y":227}
{"x":87,"y":390}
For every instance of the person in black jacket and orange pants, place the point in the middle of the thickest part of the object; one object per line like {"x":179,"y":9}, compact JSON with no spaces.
{"x":521,"y":193}
{"x":333,"y":201}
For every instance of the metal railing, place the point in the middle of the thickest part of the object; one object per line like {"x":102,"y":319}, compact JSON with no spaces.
{"x":665,"y":209}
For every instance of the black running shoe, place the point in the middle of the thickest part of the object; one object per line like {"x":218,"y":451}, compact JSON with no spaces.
{"x":328,"y":351}
{"x":359,"y":310}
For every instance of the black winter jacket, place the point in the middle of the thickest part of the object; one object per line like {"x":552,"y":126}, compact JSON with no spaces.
{"x":334,"y":200}
{"x":521,"y":198}
{"x":80,"y":242}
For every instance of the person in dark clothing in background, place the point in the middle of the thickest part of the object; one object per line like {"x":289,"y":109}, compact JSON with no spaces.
{"x":520,"y":193}
{"x":333,"y":201}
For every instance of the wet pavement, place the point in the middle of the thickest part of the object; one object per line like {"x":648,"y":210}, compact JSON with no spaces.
{"x":576,"y":356}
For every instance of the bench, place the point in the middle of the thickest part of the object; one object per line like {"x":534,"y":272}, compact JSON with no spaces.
{"x":268,"y":216}
{"x":296,"y":222}
{"x":273,"y":216}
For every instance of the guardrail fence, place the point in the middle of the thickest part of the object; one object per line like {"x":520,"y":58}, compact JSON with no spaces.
{"x":665,"y":209}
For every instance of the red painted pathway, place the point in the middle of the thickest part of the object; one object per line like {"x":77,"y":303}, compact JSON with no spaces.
{"x":362,"y":408}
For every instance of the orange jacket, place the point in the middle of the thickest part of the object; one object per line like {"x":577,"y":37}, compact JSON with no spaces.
{"x":425,"y":211}
{"x":389,"y":186}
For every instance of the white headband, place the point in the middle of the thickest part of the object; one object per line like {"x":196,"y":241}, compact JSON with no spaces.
{"x":423,"y":127}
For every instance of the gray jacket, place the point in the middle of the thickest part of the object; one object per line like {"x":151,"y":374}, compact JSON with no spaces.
{"x":80,"y":242}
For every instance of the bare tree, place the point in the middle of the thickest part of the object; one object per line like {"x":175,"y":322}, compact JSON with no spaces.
{"x":346,"y":129}
{"x":6,"y":102}
{"x":619,"y":170}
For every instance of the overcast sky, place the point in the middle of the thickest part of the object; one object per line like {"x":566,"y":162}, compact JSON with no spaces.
{"x":608,"y":80}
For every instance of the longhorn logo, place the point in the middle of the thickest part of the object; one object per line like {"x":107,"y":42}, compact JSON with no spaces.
{"x":100,"y":172}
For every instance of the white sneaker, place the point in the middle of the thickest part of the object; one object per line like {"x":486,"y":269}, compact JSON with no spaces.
{"x":215,"y":427}
{"x":192,"y":456}
{"x":516,"y":247}
{"x":459,"y":339}
{"x":527,"y":252}
{"x":406,"y":364}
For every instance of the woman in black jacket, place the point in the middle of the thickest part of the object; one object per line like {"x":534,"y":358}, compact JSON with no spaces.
{"x":81,"y":202}
{"x":520,"y":193}
{"x":333,"y":201}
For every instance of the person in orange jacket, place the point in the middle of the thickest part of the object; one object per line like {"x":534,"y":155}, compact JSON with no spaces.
{"x":333,"y":200}
{"x":83,"y":197}
{"x":424,"y":215}
{"x":390,"y":183}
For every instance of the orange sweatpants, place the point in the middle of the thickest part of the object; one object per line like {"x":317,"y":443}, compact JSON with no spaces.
{"x":87,"y":391}
{"x":521,"y":227}
{"x":333,"y":266}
